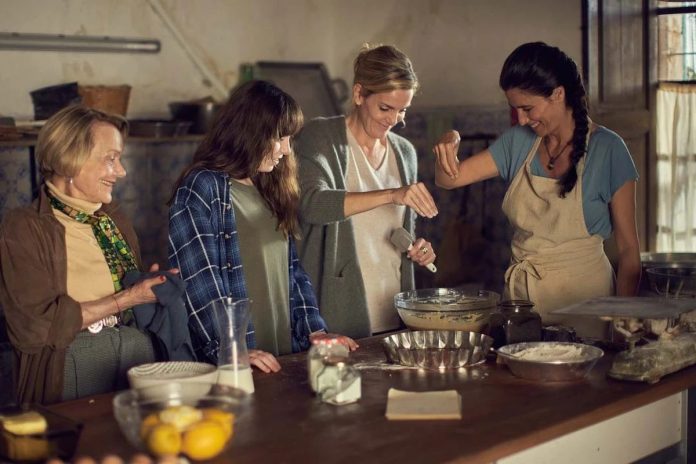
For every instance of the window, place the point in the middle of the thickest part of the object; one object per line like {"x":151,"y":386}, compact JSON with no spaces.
{"x":676,"y":127}
{"x":676,"y":41}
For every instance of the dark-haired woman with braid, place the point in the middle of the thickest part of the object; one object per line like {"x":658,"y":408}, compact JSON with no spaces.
{"x":571,"y":184}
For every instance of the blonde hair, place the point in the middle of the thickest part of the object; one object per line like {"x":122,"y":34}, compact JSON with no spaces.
{"x":65,"y":141}
{"x":382,"y":69}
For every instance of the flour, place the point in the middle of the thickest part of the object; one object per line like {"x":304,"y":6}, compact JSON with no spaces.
{"x":384,"y":366}
{"x":552,"y":352}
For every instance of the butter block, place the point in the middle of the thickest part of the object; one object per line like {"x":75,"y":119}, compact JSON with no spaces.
{"x":24,"y":448}
{"x":429,"y":405}
{"x":26,"y":423}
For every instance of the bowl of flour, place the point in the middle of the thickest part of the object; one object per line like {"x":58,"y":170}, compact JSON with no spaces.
{"x":550,"y":361}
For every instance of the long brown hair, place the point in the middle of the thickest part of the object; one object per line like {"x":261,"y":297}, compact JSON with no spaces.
{"x":256,"y":115}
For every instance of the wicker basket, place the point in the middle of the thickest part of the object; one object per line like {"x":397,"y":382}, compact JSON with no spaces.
{"x":108,"y":98}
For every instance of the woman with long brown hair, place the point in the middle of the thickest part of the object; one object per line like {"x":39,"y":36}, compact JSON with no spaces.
{"x":233,"y":224}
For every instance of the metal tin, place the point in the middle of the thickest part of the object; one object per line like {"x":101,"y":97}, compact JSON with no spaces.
{"x":437,"y":349}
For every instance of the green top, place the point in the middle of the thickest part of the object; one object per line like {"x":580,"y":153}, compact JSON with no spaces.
{"x":264,"y":253}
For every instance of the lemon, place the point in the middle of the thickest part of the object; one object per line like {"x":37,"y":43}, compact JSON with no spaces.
{"x":224,"y":418}
{"x":180,"y":416}
{"x":164,"y":440}
{"x":147,"y":424}
{"x":204,"y":440}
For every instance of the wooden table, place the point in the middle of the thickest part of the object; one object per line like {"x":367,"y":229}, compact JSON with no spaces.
{"x":502,"y":414}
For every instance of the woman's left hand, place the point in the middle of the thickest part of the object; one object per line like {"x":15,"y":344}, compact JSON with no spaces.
{"x":141,"y":293}
{"x":342,"y":339}
{"x":264,"y":361}
{"x":422,"y":252}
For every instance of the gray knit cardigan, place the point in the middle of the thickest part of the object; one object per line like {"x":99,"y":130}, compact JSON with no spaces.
{"x":327,"y":249}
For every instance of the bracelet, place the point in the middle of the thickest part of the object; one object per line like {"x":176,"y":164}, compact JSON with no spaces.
{"x":116,"y":301}
{"x":318,"y":332}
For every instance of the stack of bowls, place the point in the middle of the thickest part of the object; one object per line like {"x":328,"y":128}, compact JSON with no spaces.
{"x":673,"y":282}
{"x":164,"y":373}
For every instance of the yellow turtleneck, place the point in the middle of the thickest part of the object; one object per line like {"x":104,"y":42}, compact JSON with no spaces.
{"x":89,"y":277}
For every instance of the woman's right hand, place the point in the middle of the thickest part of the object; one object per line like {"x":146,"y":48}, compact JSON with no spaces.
{"x":416,"y":196}
{"x":446,"y":153}
{"x":264,"y":361}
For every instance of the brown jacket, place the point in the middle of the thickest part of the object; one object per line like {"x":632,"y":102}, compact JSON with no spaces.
{"x":42,"y":320}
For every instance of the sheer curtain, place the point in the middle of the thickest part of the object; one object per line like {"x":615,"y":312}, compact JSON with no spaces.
{"x":676,"y":167}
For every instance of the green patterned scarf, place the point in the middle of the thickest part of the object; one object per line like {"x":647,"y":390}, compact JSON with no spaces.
{"x":119,"y":256}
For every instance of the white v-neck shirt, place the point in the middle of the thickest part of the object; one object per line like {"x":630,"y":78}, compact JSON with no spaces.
{"x":379,"y":261}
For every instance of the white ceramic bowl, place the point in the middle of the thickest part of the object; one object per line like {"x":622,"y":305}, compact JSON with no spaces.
{"x":159,"y":373}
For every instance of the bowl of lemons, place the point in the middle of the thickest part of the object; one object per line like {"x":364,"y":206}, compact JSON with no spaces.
{"x":195,"y":420}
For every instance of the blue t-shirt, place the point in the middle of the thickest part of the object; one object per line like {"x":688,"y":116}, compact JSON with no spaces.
{"x":607,"y":168}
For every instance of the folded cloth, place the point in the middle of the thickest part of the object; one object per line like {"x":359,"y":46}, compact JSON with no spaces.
{"x":428,"y":405}
{"x":166,"y":320}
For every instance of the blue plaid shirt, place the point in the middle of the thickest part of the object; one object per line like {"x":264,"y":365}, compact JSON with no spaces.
{"x":204,"y":245}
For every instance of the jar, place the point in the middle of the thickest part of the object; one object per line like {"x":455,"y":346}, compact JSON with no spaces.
{"x":338,"y":382}
{"x":514,"y":322}
{"x":321,"y":349}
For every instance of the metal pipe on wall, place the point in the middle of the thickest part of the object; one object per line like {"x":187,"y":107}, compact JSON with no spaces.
{"x":76,"y":43}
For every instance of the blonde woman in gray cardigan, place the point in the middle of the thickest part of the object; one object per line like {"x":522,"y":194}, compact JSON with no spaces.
{"x":358,"y":184}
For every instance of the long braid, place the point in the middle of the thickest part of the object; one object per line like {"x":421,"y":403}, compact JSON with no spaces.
{"x":577,"y":100}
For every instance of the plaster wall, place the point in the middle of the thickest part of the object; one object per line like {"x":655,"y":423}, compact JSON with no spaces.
{"x":457,"y":47}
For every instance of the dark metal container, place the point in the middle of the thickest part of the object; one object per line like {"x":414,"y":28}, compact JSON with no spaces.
{"x":514,"y":322}
{"x":201,"y":114}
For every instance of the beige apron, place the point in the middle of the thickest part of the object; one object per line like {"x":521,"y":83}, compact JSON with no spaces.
{"x":555,"y":261}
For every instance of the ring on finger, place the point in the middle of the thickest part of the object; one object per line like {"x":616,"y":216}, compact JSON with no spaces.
{"x":424,"y":250}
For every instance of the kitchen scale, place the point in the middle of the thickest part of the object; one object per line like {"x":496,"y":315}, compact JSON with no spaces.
{"x":666,"y":325}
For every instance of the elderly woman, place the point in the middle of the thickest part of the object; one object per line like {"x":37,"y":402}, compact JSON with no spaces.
{"x":62,"y":260}
{"x":359,"y":184}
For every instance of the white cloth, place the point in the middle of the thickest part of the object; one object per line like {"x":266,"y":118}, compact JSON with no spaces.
{"x":555,"y":261}
{"x":676,"y":167}
{"x":380,"y":262}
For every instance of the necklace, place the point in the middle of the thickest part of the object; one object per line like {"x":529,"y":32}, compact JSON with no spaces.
{"x":552,"y":158}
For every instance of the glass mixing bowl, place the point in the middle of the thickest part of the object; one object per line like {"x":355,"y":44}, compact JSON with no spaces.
{"x":446,"y":308}
{"x":171,"y":419}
